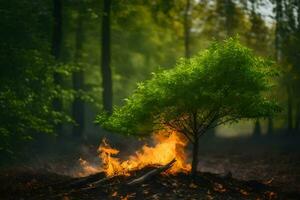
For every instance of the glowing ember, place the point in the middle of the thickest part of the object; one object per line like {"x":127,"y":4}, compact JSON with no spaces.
{"x":168,"y":145}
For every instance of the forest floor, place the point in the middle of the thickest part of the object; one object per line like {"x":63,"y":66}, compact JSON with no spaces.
{"x":252,"y":179}
{"x":256,"y":174}
{"x":46,"y":185}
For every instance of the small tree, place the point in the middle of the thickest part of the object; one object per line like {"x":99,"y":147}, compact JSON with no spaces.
{"x":220,"y":85}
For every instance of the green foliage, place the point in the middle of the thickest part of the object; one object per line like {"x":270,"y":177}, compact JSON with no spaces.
{"x":223,"y":84}
{"x":26,"y":74}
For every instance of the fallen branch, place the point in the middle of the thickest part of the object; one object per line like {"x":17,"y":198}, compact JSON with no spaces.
{"x":96,"y":183}
{"x":80,"y":184}
{"x":152,"y":173}
{"x":80,"y":189}
{"x":87,"y":180}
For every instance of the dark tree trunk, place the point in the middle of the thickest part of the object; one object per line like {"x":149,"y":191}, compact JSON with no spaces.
{"x":297,"y":125}
{"x":270,"y":125}
{"x":278,"y":45}
{"x":78,"y":81}
{"x":57,"y":29}
{"x":298,"y":15}
{"x":257,"y":129}
{"x":56,"y":52}
{"x":105,"y":65}
{"x":195,"y":155}
{"x":229,"y":12}
{"x":278,"y":29}
{"x":297,"y":122}
{"x":187,"y":28}
{"x":289,"y":111}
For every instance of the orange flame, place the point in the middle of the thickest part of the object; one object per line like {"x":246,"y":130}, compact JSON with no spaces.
{"x":168,"y":145}
{"x":87,"y":168}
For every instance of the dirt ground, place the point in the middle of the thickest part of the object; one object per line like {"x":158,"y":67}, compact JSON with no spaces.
{"x":45,"y":185}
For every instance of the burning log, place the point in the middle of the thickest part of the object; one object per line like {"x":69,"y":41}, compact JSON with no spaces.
{"x":152,"y":173}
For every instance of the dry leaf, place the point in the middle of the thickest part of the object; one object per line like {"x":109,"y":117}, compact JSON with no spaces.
{"x":155,"y":196}
{"x":124,"y":198}
{"x":145,"y":191}
{"x":244,"y":192}
{"x":132,"y":194}
{"x":175,"y":184}
{"x":164,"y":184}
{"x":193,"y":185}
{"x":271,"y":195}
{"x":66,"y":198}
{"x":268,"y":182}
{"x":114,"y":194}
{"x":219,"y":188}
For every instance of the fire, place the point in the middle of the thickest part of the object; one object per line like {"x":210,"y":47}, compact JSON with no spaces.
{"x":87,"y":168}
{"x":167,"y":146}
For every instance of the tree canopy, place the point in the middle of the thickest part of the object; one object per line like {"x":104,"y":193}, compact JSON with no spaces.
{"x":222,"y":84}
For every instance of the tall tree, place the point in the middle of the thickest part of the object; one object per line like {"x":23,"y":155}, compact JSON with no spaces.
{"x":187,"y":28}
{"x":78,"y":77}
{"x":228,"y":13}
{"x":278,"y":29}
{"x":281,"y":47}
{"x":291,"y":49}
{"x":257,"y":128}
{"x":230,"y":21}
{"x":297,"y":6}
{"x":256,"y":38}
{"x":105,"y":61}
{"x":56,"y":52}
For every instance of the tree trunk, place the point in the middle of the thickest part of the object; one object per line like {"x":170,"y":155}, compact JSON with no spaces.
{"x":229,"y":12}
{"x":297,"y":122}
{"x":257,"y":129}
{"x":289,"y":111}
{"x":195,"y":155}
{"x":187,"y":29}
{"x":270,"y":125}
{"x":56,"y":52}
{"x":278,"y":29}
{"x":105,"y":65}
{"x":78,"y":81}
{"x":57,"y":29}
